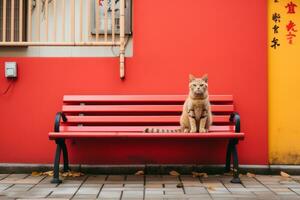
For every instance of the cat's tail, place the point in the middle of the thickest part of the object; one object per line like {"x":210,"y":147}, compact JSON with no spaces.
{"x":158,"y":130}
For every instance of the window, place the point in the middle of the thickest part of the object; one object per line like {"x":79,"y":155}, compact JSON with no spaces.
{"x":101,"y":16}
{"x":14,"y":30}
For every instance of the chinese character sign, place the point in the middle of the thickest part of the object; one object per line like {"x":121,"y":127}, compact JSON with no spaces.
{"x":283,"y":20}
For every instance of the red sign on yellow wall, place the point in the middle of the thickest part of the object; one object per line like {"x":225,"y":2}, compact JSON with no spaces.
{"x":287,"y":11}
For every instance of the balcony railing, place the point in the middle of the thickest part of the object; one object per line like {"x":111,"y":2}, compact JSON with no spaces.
{"x":64,"y":23}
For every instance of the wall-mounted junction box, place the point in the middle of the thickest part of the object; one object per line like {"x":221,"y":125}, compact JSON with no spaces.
{"x":10,"y":69}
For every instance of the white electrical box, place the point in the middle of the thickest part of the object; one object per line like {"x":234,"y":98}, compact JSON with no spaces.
{"x":10,"y":69}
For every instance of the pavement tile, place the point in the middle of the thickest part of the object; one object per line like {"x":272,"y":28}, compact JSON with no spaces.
{"x":154,"y":193}
{"x":192,"y":184}
{"x":85,"y":196}
{"x":202,"y":197}
{"x":115,"y":185}
{"x":153,"y":178}
{"x":116,"y":178}
{"x":110,"y":194}
{"x":296,"y":190}
{"x":134,"y":185}
{"x":2,"y":176}
{"x":89,"y":190}
{"x":195,"y":190}
{"x":44,"y":185}
{"x":25,"y":186}
{"x":239,"y":190}
{"x":13,"y":178}
{"x":217,"y":190}
{"x":154,"y":185}
{"x":174,"y":191}
{"x":134,"y":178}
{"x":4,"y":186}
{"x":288,"y":197}
{"x":133,"y":194}
{"x":43,"y":198}
{"x":63,"y":192}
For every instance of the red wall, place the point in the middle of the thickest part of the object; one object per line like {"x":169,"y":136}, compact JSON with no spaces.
{"x":226,"y":39}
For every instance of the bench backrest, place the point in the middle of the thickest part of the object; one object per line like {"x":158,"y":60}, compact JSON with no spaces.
{"x":134,"y":113}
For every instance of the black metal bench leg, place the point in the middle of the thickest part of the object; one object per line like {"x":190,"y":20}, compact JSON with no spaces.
{"x":65,"y":156}
{"x":228,"y":156}
{"x":236,"y":178}
{"x":56,"y":164}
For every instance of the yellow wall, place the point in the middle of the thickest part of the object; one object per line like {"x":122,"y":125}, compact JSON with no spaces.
{"x":284,"y":87}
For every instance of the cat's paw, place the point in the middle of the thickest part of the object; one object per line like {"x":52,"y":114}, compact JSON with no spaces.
{"x":186,"y":130}
{"x":203,"y":130}
{"x":193,"y":131}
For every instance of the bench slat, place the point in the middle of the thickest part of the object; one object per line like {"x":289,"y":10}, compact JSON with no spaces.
{"x":217,"y":135}
{"x":139,"y":98}
{"x":135,"y":108}
{"x":137,"y":119}
{"x":134,"y":128}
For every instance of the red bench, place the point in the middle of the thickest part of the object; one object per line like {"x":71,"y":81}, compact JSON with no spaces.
{"x":126,"y":116}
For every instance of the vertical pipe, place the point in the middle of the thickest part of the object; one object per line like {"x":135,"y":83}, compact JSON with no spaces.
{"x":89,"y":19}
{"x":12,"y":21}
{"x":38,"y":24}
{"x":97,"y":19}
{"x":29,"y":20}
{"x":63,"y":20}
{"x":113,"y":21}
{"x":20,"y":20}
{"x":4,"y":21}
{"x":72,"y":20}
{"x":105,"y":20}
{"x":122,"y":39}
{"x":46,"y":19}
{"x":55,"y":19}
{"x":80,"y":20}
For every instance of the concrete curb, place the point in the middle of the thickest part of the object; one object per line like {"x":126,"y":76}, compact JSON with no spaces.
{"x":151,"y":169}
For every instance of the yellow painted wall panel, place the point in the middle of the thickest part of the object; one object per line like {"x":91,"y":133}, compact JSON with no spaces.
{"x":284,"y":84}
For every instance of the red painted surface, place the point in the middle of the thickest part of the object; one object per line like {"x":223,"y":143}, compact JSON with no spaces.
{"x":225,"y":39}
{"x":129,"y":135}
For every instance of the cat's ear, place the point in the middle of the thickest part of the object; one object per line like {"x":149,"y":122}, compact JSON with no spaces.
{"x":191,"y":77}
{"x":205,"y":78}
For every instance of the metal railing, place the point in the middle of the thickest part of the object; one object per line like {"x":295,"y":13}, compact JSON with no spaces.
{"x":71,"y":27}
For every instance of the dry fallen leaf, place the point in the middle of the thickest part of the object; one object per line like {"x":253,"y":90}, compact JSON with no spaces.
{"x":250,"y":175}
{"x":65,"y":174}
{"x":179,"y":185}
{"x":285,"y":175}
{"x":174,"y":173}
{"x":197,"y":174}
{"x":76,"y":174}
{"x":36,"y":173}
{"x":210,"y":188}
{"x":139,"y":173}
{"x":72,"y":174}
{"x":48,"y":173}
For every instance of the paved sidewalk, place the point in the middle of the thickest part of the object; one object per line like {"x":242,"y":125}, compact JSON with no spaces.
{"x":25,"y":186}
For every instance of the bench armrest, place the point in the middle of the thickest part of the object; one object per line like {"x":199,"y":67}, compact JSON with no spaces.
{"x":236,"y":119}
{"x":58,"y":116}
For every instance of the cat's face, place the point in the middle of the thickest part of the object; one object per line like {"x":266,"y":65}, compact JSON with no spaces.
{"x":198,"y":86}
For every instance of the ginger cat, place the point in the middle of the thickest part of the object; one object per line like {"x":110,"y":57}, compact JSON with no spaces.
{"x":196,"y":115}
